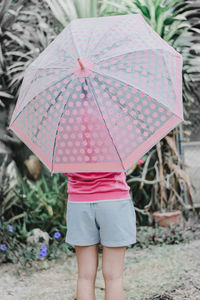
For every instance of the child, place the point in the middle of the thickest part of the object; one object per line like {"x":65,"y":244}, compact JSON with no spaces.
{"x":100,"y":209}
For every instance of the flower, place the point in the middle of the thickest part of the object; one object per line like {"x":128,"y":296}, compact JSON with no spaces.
{"x":3,"y":247}
{"x":10,"y":228}
{"x":43,"y":247}
{"x":140,"y":162}
{"x":43,"y":252}
{"x":40,"y":255}
{"x":57,"y":235}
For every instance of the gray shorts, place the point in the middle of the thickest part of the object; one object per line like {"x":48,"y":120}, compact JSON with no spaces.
{"x":113,"y":223}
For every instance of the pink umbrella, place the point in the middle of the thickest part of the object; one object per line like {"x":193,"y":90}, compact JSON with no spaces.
{"x":103,"y":93}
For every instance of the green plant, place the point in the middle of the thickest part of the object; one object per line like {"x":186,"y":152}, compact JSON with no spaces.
{"x":66,"y":11}
{"x":147,"y":235}
{"x":157,"y":184}
{"x":25,"y":30}
{"x":160,"y":183}
{"x":14,"y":251}
{"x":34,"y":204}
{"x":44,"y":202}
{"x":29,"y":204}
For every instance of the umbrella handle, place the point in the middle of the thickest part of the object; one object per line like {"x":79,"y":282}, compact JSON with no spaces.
{"x":80,"y":63}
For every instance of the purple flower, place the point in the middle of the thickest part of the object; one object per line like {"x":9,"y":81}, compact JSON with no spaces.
{"x":3,"y":247}
{"x":44,"y":252}
{"x":10,"y":228}
{"x":43,"y":247}
{"x":40,"y":255}
{"x":57,"y":235}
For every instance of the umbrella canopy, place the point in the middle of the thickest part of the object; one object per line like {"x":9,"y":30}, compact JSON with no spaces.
{"x":103,"y":93}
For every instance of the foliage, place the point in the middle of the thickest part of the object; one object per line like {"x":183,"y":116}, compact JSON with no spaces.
{"x":175,"y":234}
{"x":29,"y":204}
{"x":32,"y":204}
{"x":14,"y":251}
{"x":24,"y":34}
{"x":26,"y":29}
{"x":160,"y":183}
{"x":66,"y":11}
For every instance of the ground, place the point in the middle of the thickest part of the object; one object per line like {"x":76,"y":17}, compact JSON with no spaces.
{"x":158,"y":272}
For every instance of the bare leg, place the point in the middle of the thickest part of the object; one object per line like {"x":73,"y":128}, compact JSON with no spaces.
{"x":87,"y":259}
{"x":112,"y":269}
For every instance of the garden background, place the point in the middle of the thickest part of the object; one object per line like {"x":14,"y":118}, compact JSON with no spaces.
{"x":33,"y":204}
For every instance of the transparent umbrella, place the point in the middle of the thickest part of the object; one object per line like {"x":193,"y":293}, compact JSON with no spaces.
{"x":103,"y":93}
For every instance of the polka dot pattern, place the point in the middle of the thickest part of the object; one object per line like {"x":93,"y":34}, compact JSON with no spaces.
{"x":97,"y":120}
{"x":147,"y":70}
{"x":126,"y":94}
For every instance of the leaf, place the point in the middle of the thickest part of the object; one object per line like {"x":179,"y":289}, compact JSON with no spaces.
{"x":50,"y":210}
{"x":6,"y":95}
{"x":17,"y":217}
{"x":4,"y":7}
{"x":168,"y":21}
{"x":64,"y":11}
{"x":144,"y":9}
{"x":159,"y":11}
{"x":114,"y":4}
{"x":20,"y":54}
{"x":14,"y":38}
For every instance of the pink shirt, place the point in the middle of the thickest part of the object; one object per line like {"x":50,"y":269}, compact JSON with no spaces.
{"x":97,"y":186}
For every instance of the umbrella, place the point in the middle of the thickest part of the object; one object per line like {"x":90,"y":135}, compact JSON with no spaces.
{"x":101,"y":94}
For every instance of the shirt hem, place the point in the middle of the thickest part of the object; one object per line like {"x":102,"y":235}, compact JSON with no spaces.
{"x":97,"y":201}
{"x":98,"y":196}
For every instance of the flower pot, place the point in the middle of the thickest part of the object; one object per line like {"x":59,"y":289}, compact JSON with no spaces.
{"x":166,"y":218}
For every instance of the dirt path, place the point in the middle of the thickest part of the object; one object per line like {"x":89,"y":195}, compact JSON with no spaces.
{"x":170,"y":270}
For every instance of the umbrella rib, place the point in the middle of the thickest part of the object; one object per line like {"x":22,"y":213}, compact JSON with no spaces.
{"x":109,"y":76}
{"x":104,"y":121}
{"x":132,"y":51}
{"x":49,"y":109}
{"x":121,"y":106}
{"x":19,"y":112}
{"x":57,"y":128}
{"x":114,"y":56}
{"x":117,"y":41}
{"x":107,"y":31}
{"x":132,"y":117}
